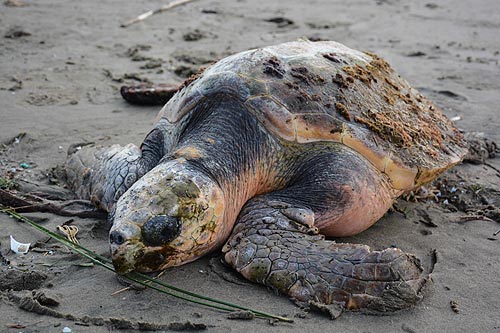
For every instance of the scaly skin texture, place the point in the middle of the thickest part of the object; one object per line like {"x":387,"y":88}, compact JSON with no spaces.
{"x":103,"y":175}
{"x":269,"y":247}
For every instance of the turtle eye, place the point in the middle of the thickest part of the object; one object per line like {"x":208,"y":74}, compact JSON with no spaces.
{"x":160,"y":230}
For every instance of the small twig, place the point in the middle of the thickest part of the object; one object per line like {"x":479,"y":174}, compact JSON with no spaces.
{"x":468,"y":218}
{"x":69,"y":231}
{"x":496,"y":232}
{"x":120,"y":291}
{"x":130,"y":287}
{"x":25,"y":205}
{"x":147,"y":14}
{"x":492,"y":167}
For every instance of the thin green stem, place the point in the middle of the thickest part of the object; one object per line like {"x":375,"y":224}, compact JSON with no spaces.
{"x":136,"y":277}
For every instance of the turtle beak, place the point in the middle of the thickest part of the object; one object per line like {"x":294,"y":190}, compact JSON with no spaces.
{"x":126,"y":247}
{"x":125,"y":256}
{"x":132,"y":255}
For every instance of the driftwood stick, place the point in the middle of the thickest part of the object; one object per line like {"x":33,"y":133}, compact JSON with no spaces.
{"x":468,"y":218}
{"x":147,"y":14}
{"x":83,"y":208}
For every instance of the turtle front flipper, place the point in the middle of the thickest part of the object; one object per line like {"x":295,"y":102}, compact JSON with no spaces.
{"x":102,"y":175}
{"x":275,"y":243}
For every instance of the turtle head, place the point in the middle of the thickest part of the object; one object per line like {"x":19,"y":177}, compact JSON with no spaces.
{"x":171,"y":216}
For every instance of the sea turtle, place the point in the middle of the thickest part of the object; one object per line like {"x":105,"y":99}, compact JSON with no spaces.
{"x":265,"y":153}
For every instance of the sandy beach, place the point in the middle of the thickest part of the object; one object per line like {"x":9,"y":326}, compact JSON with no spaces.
{"x":61,"y":68}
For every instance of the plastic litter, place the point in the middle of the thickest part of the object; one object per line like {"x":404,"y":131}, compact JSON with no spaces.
{"x":19,"y":247}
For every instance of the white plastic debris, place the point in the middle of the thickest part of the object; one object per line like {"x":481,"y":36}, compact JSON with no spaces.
{"x":19,"y":247}
{"x":66,"y":329}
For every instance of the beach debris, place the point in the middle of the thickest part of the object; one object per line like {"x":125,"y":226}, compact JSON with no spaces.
{"x":16,"y":32}
{"x":481,"y":148}
{"x":15,"y":140}
{"x":209,"y":11}
{"x":18,"y":247}
{"x":242,"y":315}
{"x":69,"y":231}
{"x":468,"y":218}
{"x":25,"y":165}
{"x":147,"y":14}
{"x":66,"y":329}
{"x":148,"y":94}
{"x":193,"y":36}
{"x":32,"y":203}
{"x":16,"y":326}
{"x":281,"y":22}
{"x":186,"y":326}
{"x":416,"y":54}
{"x":8,"y":184}
{"x":131,"y":285}
{"x":333,"y":310}
{"x":422,"y":194}
{"x":85,"y":264}
{"x":454,"y":306}
{"x":14,"y":3}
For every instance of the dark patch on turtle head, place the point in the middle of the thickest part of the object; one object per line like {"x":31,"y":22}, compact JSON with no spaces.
{"x":160,"y":230}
